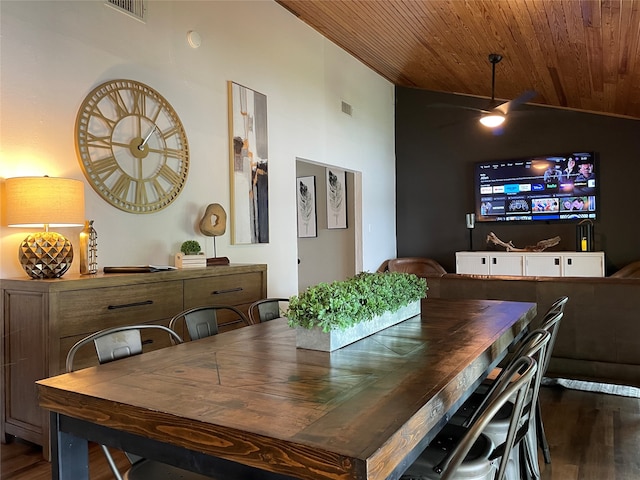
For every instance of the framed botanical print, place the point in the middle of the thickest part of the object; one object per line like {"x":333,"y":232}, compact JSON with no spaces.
{"x":336,"y":198}
{"x":306,"y":202}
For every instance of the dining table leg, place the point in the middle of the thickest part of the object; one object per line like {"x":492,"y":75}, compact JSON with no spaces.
{"x":69,"y":454}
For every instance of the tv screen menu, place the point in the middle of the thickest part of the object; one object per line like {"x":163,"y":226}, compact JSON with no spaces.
{"x":553,"y":187}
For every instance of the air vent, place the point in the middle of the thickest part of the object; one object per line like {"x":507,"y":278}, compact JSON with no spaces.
{"x":346,"y":108}
{"x":134,"y":8}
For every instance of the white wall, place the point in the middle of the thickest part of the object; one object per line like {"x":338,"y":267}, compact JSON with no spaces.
{"x":52,"y":53}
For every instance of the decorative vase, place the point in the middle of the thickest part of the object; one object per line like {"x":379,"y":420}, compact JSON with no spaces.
{"x":316,"y":339}
{"x":88,"y":249}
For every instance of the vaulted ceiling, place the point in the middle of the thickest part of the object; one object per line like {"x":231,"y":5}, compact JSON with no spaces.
{"x":577,"y":54}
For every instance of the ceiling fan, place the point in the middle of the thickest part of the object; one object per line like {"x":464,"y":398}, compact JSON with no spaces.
{"x":497,"y":115}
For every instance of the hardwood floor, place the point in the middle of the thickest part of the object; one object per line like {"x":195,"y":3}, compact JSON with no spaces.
{"x":593,"y":436}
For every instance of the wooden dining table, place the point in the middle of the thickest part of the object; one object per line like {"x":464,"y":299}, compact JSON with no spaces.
{"x":249,"y":404}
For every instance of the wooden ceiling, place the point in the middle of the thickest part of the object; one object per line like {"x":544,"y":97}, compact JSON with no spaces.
{"x":577,"y":54}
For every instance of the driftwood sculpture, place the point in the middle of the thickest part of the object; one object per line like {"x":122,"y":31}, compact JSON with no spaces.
{"x":538,"y":247}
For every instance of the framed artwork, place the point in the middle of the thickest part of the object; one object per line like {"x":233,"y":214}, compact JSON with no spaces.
{"x":306,"y":201}
{"x":336,"y":198}
{"x":249,"y":183}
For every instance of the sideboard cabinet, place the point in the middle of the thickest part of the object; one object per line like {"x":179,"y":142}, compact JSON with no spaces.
{"x":547,"y":264}
{"x":42,"y":319}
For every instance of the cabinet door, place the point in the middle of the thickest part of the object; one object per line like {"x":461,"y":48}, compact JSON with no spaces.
{"x":25,"y":352}
{"x":583,"y":265}
{"x":543,"y":265}
{"x":472,"y":263}
{"x":507,"y":264}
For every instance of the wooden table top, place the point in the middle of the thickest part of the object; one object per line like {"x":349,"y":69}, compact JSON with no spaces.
{"x":251,"y":396}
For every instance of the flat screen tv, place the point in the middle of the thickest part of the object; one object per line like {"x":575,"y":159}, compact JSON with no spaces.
{"x":542,"y":188}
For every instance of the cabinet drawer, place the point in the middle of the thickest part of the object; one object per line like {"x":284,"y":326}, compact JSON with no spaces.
{"x":86,"y":356}
{"x":87,"y":311}
{"x":223,"y":290}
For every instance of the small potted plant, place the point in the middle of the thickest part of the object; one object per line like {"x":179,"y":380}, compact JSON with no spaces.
{"x":329,"y":316}
{"x":190,"y":255}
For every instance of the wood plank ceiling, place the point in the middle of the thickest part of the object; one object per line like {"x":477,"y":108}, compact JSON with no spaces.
{"x":577,"y":54}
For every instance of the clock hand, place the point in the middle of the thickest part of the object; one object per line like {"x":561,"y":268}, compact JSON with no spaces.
{"x":144,"y":142}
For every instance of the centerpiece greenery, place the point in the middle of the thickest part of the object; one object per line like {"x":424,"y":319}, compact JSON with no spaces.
{"x":343,"y":304}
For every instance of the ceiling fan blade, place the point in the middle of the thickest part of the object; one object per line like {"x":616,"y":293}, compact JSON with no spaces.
{"x":462,"y":107}
{"x":524,"y":97}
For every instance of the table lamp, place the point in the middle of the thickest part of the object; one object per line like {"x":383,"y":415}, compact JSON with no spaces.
{"x":45,"y":202}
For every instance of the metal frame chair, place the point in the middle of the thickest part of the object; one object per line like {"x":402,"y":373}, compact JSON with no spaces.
{"x":203,"y":321}
{"x":113,"y":344}
{"x":265,"y":309}
{"x":472,"y":453}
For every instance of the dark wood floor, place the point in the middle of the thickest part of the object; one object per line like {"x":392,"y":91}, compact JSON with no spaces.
{"x":593,"y":436}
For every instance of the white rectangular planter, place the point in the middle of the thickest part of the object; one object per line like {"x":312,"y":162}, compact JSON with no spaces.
{"x":316,"y":339}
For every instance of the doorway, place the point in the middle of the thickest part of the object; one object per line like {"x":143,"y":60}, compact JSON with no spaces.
{"x":333,"y":254}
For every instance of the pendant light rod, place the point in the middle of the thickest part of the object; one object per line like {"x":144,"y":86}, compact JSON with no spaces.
{"x":494,"y":58}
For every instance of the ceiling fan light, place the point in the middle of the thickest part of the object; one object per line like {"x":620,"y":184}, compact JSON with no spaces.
{"x":492,"y":121}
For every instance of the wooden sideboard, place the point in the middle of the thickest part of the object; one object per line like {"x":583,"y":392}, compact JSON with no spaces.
{"x":546,"y":264}
{"x":44,"y":318}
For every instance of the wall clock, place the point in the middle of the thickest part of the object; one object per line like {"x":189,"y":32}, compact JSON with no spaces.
{"x":132,"y":146}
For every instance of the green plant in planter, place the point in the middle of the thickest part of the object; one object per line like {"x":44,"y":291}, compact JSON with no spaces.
{"x":342,"y":304}
{"x":190,"y":247}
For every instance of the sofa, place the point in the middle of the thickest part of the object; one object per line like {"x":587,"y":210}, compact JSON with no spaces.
{"x":599,"y":337}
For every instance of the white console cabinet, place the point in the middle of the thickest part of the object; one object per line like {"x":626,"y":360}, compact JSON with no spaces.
{"x":547,"y":264}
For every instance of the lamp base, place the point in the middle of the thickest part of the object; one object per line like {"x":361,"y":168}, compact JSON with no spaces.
{"x":45,"y":255}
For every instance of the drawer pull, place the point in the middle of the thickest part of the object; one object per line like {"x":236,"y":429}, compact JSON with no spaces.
{"x":231,"y":290}
{"x":127,"y":305}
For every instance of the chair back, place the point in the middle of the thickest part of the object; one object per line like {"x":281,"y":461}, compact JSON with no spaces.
{"x":515,"y":382}
{"x":556,"y":307}
{"x":117,"y":342}
{"x":534,"y":345}
{"x":551,"y":324}
{"x":204,"y":321}
{"x":265,"y":310}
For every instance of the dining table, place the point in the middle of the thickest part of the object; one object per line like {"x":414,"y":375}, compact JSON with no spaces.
{"x":249,"y":404}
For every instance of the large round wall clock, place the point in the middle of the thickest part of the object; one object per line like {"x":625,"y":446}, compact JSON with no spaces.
{"x":132,"y":146}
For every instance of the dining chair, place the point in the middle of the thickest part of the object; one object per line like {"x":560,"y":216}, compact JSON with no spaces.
{"x":463,"y":453}
{"x":550,"y":322}
{"x":114,"y":344}
{"x":205,"y":321}
{"x":522,"y":462}
{"x":265,"y":309}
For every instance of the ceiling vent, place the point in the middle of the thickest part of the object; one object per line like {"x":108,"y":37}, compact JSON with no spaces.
{"x":133,"y":8}
{"x":346,"y":108}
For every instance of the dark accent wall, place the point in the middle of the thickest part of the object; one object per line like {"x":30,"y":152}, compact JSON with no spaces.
{"x":437,"y":146}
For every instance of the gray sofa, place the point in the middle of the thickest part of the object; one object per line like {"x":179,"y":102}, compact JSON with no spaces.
{"x":599,"y":337}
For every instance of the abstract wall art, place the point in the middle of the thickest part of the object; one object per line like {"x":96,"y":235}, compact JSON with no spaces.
{"x":249,"y":215}
{"x":306,"y":201}
{"x":336,"y":198}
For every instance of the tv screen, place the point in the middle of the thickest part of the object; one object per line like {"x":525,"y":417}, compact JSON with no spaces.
{"x":542,"y":188}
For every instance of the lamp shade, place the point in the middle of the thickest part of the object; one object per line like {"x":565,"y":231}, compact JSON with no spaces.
{"x":39,"y":201}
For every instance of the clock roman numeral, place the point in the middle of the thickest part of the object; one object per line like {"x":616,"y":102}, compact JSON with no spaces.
{"x":160,"y":192}
{"x":105,"y":167}
{"x":139,"y":103}
{"x":141,"y":193}
{"x":98,"y":141}
{"x":169,"y":133}
{"x":118,"y":103}
{"x":96,"y":112}
{"x":172,"y":177}
{"x":170,"y":152}
{"x":120,"y":189}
